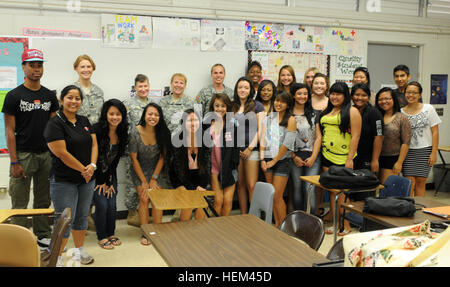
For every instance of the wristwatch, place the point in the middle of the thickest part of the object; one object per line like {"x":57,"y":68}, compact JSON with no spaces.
{"x":155,"y":176}
{"x":93,"y":165}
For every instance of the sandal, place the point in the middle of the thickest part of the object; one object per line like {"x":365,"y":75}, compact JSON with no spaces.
{"x":106,"y":245}
{"x":344,"y":232}
{"x":115,"y":240}
{"x":145,"y":241}
{"x":329,"y":230}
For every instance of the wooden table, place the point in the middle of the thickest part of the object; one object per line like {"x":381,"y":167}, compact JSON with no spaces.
{"x":314,"y":180}
{"x":169,"y":199}
{"x":7,"y":213}
{"x":238,"y":240}
{"x":446,"y":166}
{"x":392,"y":221}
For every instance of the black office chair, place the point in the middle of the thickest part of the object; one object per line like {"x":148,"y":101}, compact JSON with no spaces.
{"x":304,"y":226}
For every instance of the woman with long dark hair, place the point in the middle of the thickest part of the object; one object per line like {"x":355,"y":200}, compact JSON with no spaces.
{"x":305,"y":157}
{"x":277,"y":143}
{"x":150,"y":149}
{"x":340,"y":130}
{"x":245,"y":109}
{"x":397,"y":134}
{"x":189,"y":166}
{"x":112,"y":138}
{"x":266,"y":94}
{"x":423,"y":149}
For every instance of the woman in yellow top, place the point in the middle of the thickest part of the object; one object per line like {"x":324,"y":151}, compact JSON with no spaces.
{"x":340,"y":126}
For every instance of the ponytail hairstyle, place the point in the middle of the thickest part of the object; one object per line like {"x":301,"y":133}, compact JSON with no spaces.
{"x":66,"y":90}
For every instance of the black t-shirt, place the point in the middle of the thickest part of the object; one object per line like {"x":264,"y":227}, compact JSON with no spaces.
{"x":78,"y":143}
{"x":31,"y":110}
{"x":372,"y":126}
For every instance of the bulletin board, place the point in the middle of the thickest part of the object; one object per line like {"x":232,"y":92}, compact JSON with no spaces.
{"x":11,"y":74}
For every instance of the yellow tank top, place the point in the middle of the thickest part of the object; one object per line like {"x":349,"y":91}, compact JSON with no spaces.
{"x":335,"y":145}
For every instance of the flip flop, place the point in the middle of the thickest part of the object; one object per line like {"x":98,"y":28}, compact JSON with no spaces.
{"x":146,"y":240}
{"x":106,"y":245}
{"x":329,"y":230}
{"x":344,"y":232}
{"x":115,"y":241}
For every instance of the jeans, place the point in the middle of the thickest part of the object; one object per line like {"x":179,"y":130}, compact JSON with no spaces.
{"x":300,"y":193}
{"x":77,"y":197}
{"x":105,"y":213}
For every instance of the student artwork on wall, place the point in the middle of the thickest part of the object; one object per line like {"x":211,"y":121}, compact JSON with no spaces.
{"x":11,"y":74}
{"x":263,"y":36}
{"x":341,"y":41}
{"x":126,"y":31}
{"x":176,"y":33}
{"x":439,"y":89}
{"x":271,"y":63}
{"x":219,"y":35}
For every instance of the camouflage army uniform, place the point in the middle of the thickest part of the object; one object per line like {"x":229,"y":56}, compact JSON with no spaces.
{"x":205,"y":95}
{"x":135,"y":107}
{"x":173,"y":109}
{"x":92,"y":104}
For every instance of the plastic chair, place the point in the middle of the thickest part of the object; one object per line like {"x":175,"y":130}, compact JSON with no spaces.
{"x":337,"y":251}
{"x":18,"y":247}
{"x":49,"y":257}
{"x":396,"y":186}
{"x":262,"y":201}
{"x":304,"y":226}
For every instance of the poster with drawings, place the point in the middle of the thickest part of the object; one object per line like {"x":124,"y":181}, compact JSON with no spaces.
{"x":126,"y":31}
{"x":176,"y":33}
{"x":341,"y":41}
{"x":219,"y":35}
{"x":264,"y":36}
{"x":307,"y":39}
{"x":271,"y":63}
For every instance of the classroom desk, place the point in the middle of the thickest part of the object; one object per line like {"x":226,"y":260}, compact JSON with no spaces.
{"x":314,"y":180}
{"x":446,"y":166}
{"x":171,"y":199}
{"x":237,"y":240}
{"x":7,"y":213}
{"x":392,"y":221}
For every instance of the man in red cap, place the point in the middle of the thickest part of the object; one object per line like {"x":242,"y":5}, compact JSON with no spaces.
{"x":27,"y":109}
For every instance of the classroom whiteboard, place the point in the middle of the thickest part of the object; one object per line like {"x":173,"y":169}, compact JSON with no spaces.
{"x":117,"y":67}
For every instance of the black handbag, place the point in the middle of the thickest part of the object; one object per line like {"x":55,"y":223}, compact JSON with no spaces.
{"x":340,"y":177}
{"x":390,"y":206}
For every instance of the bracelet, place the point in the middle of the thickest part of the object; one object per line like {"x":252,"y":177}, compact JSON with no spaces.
{"x":155,"y":176}
{"x":15,"y":162}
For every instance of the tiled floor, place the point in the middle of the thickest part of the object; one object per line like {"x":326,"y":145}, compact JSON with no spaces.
{"x":132,"y":254}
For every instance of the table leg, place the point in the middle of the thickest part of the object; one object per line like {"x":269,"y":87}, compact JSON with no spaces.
{"x":445,"y":174}
{"x":335,"y":219}
{"x":308,"y":203}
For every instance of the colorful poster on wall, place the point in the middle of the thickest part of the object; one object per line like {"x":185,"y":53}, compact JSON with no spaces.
{"x":176,"y":33}
{"x":11,"y":74}
{"x":341,"y":41}
{"x":218,"y":35}
{"x":306,"y":39}
{"x":439,"y":86}
{"x":263,"y":36}
{"x":126,"y":31}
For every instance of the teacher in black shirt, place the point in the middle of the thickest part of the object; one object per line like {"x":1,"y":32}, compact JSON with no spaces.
{"x":73,"y":145}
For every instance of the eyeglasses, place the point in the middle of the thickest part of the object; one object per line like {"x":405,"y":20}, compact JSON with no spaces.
{"x":384,"y":99}
{"x":412,"y":93}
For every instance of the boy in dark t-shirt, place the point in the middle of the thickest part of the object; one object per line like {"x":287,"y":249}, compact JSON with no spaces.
{"x":27,"y":110}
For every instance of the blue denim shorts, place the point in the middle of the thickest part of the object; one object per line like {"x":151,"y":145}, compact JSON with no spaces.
{"x":281,"y":168}
{"x":78,"y":197}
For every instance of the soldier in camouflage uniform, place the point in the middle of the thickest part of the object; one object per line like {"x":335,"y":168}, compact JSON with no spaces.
{"x":174,"y":104}
{"x":93,"y":98}
{"x":135,"y":106}
{"x":205,"y":94}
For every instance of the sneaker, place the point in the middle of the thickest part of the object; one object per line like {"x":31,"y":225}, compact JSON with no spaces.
{"x":75,"y":257}
{"x":44,"y":243}
{"x":60,"y":262}
{"x":85,"y":257}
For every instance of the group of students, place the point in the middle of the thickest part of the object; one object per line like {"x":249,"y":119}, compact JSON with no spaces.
{"x":222,"y":139}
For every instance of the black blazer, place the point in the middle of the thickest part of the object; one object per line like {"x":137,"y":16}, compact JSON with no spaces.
{"x":111,"y":171}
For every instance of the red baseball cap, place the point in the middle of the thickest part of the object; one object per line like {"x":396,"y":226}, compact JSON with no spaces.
{"x":32,"y":55}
